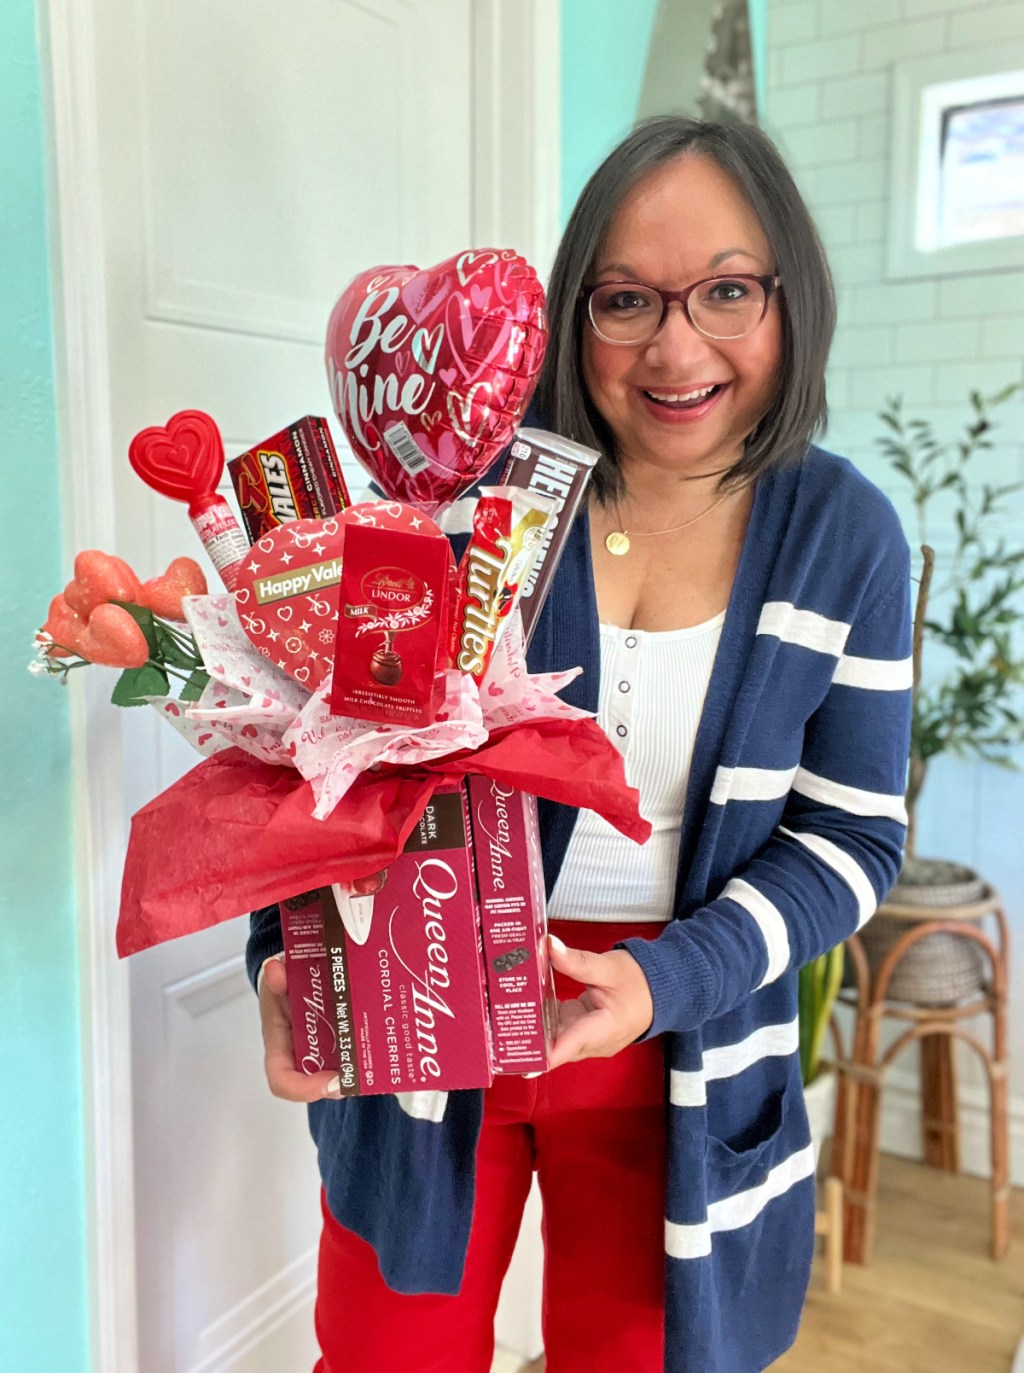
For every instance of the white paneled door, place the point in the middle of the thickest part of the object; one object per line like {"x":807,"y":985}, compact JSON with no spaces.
{"x":244,"y":158}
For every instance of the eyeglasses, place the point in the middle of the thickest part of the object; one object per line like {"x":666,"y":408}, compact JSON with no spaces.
{"x":628,"y":312}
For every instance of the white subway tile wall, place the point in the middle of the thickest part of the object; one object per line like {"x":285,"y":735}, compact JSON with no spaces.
{"x":829,"y":107}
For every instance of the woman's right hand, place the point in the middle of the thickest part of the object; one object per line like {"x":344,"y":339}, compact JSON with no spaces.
{"x":283,"y":1078}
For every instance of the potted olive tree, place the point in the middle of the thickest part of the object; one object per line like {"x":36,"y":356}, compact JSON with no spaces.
{"x":967,"y":622}
{"x":972,"y":611}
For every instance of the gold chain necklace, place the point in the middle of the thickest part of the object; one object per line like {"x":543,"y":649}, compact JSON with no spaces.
{"x":618,"y":541}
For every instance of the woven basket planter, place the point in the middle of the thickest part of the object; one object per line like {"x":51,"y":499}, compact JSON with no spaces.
{"x":941,"y":969}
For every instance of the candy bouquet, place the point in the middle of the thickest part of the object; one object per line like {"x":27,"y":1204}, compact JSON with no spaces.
{"x":374,"y":742}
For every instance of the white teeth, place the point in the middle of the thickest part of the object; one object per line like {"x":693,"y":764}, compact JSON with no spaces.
{"x":688,"y":395}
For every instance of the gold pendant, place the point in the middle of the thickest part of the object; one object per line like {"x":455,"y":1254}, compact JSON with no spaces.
{"x":617,"y":542}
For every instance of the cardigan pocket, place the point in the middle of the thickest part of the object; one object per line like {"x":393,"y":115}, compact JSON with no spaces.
{"x":745,"y":1159}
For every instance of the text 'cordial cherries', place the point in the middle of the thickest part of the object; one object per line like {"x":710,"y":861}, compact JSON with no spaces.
{"x":184,"y":460}
{"x":431,"y":369}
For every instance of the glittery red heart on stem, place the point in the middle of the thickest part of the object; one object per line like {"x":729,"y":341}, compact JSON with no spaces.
{"x":184,"y":459}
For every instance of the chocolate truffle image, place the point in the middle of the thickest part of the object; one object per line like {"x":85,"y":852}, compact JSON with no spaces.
{"x":386,"y":667}
{"x":507,"y":961}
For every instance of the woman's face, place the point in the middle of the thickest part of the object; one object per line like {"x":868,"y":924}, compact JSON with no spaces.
{"x":683,"y":222}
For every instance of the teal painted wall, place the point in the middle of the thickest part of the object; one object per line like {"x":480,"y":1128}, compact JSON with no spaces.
{"x":604,"y":55}
{"x":42,"y":1260}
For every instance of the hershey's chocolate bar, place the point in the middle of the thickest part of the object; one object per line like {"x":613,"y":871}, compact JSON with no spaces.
{"x":555,"y":467}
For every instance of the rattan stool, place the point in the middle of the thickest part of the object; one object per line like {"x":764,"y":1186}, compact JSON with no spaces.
{"x":862,"y":1072}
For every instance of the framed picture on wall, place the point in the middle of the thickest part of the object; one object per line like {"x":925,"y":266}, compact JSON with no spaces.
{"x":957,"y":188}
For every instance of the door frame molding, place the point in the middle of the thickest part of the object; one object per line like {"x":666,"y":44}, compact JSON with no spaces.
{"x":516,"y":202}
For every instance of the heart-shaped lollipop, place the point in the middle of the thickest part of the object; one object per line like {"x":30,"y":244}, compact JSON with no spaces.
{"x":287,"y":588}
{"x":431,"y":369}
{"x":184,"y":460}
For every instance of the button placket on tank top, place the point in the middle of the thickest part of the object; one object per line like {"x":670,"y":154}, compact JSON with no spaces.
{"x":624,"y":671}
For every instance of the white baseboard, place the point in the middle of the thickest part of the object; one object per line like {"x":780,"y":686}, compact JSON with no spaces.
{"x":901,"y":1125}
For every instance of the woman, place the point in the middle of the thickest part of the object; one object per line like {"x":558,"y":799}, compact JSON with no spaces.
{"x":739,"y":601}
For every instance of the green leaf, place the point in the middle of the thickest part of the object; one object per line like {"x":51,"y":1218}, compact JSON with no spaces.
{"x":136,"y":683}
{"x":194,"y":687}
{"x":144,"y":619}
{"x":171,"y":650}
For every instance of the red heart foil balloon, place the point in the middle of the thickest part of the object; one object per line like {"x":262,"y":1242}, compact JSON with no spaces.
{"x":287,"y":589}
{"x":183,"y":460}
{"x":431,"y":369}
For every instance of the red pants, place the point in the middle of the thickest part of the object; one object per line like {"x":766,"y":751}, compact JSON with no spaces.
{"x":595,"y":1133}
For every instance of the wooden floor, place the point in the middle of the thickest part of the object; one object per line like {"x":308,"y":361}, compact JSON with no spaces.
{"x":932,"y":1301}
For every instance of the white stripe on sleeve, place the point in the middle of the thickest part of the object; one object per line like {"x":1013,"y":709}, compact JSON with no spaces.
{"x":768,"y":920}
{"x":846,"y":867}
{"x":853,"y":799}
{"x":727,"y":1060}
{"x":751,"y":784}
{"x":875,"y":674}
{"x":769,"y":1041}
{"x":732,"y":1213}
{"x":805,"y":628}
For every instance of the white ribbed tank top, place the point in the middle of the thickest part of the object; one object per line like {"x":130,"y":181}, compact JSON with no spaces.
{"x":652,"y":694}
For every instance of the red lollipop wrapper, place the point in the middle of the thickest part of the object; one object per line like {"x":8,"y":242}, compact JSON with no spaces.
{"x":185,"y":460}
{"x":431,"y":369}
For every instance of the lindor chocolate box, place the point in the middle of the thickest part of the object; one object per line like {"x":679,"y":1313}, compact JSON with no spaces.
{"x":391,"y":649}
{"x":404,"y":1010}
{"x":513,"y":921}
{"x":293,"y":475}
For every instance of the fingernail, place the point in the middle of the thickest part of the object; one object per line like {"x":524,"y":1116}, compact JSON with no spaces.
{"x":557,"y":944}
{"x":333,"y":1087}
{"x":525,"y":1075}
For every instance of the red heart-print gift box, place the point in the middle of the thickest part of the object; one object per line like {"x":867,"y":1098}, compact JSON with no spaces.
{"x":394,"y":608}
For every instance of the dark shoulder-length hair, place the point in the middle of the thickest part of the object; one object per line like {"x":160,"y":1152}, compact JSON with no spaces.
{"x":807,"y":300}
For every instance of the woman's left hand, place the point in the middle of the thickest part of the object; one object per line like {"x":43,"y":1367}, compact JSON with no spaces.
{"x":613,"y":1011}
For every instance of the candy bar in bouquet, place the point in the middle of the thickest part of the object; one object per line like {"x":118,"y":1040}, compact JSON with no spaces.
{"x":293,"y":475}
{"x":373,"y":740}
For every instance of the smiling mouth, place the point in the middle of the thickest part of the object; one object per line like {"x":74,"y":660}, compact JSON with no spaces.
{"x":684,"y":400}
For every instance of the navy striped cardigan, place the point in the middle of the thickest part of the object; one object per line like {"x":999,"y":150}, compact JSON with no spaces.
{"x":792,"y":835}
